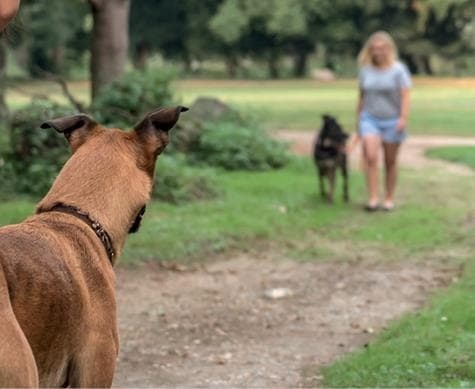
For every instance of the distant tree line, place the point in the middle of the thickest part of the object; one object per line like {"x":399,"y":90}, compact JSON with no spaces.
{"x":269,"y":30}
{"x":57,"y":36}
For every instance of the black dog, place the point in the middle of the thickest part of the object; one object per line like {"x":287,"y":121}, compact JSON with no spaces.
{"x":329,"y":155}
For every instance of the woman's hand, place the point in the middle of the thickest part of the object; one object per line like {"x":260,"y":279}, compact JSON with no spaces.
{"x":401,"y":124}
{"x":352,"y":142}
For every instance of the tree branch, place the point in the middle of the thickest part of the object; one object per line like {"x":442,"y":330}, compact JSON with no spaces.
{"x":64,"y":87}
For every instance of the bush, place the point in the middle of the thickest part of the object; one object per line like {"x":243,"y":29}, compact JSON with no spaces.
{"x":204,"y":110}
{"x":125,"y":101}
{"x":176,"y":182}
{"x":237,"y":147}
{"x":35,"y":155}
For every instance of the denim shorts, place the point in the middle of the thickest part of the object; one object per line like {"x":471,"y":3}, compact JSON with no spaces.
{"x":384,"y":128}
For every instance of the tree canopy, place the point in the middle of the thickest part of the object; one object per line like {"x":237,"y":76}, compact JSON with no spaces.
{"x":55,"y":36}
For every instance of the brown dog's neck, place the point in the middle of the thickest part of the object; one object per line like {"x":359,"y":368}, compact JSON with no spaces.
{"x":98,"y":229}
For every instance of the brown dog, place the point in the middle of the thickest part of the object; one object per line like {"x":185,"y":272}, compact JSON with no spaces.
{"x":57,"y":299}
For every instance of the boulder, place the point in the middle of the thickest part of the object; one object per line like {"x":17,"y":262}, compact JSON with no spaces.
{"x":323,"y":75}
{"x":203,"y":110}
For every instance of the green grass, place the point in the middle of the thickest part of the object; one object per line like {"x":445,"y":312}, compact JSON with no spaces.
{"x":283,"y":206}
{"x":434,"y":221}
{"x":439,"y":106}
{"x":255,"y":206}
{"x":433,"y":348}
{"x":459,"y":154}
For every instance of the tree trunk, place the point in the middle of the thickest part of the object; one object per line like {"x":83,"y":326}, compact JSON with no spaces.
{"x":231,"y":65}
{"x":273,"y":64}
{"x":427,"y":65}
{"x":4,"y":113}
{"x":57,"y":57}
{"x":411,"y":63}
{"x":300,"y":64}
{"x":110,"y":41}
{"x":142,"y":54}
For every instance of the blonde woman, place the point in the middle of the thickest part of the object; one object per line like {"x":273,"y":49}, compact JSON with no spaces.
{"x":383,"y":110}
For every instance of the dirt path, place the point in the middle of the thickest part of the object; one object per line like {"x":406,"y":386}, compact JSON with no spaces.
{"x":412,"y":153}
{"x":218,"y":325}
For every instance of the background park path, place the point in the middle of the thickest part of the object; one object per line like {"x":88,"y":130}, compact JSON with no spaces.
{"x":259,"y":319}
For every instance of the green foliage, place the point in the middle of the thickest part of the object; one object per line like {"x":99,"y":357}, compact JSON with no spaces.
{"x":54,"y":34}
{"x":124,"y":101}
{"x":176,"y":182}
{"x":229,"y":22}
{"x":176,"y":29}
{"x":236,"y":147}
{"x":36,"y":155}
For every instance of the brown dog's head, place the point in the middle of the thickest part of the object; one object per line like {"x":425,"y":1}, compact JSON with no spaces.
{"x":110,"y":172}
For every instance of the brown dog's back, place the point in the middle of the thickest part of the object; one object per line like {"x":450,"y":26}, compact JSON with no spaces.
{"x":52,"y":281}
{"x":17,"y":364}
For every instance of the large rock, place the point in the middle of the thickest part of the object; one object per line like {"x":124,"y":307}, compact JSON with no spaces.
{"x":323,"y":75}
{"x":203,"y":110}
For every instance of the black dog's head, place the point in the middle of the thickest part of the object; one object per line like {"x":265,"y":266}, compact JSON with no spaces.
{"x":332,"y":133}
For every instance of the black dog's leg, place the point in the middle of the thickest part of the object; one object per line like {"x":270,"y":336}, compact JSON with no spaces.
{"x":344,"y":171}
{"x":321,"y":181}
{"x":331,"y":179}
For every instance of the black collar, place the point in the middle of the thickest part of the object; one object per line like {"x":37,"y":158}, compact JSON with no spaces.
{"x":101,"y":233}
{"x":98,"y":229}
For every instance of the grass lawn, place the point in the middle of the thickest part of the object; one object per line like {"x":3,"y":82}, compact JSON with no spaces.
{"x":459,"y":154}
{"x":439,"y":106}
{"x":434,"y":221}
{"x":435,"y":347}
{"x":282,"y":207}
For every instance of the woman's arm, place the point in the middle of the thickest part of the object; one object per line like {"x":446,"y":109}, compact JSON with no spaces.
{"x":405,"y":106}
{"x":355,"y":138}
{"x":8,"y":10}
{"x":359,"y":105}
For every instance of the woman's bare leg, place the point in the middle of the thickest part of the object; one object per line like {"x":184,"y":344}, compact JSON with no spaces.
{"x":371,"y":145}
{"x":390,"y":163}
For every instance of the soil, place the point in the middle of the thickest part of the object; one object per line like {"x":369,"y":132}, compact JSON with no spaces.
{"x":257,"y":319}
{"x":218,"y":325}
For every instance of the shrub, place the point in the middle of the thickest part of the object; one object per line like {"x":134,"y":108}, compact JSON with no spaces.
{"x":7,"y":181}
{"x":237,"y":147}
{"x":125,"y":100}
{"x":35,"y":155}
{"x":176,"y":182}
{"x":189,"y":128}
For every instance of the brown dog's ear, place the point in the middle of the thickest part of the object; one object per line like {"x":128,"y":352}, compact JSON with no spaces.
{"x":161,"y":119}
{"x":152,"y":134}
{"x":76,"y":128}
{"x":154,"y":127}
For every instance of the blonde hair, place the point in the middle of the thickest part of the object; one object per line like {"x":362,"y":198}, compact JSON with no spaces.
{"x":364,"y":57}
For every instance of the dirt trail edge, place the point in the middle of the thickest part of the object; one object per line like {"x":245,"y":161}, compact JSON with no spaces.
{"x":216,"y":327}
{"x":219,"y":326}
{"x":412,"y":152}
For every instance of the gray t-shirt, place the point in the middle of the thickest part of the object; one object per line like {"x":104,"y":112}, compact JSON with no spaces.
{"x":382,"y":89}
